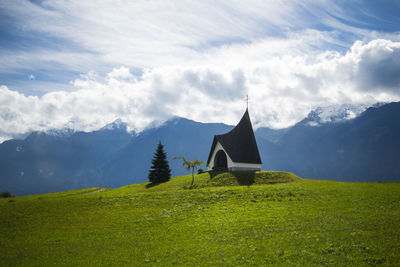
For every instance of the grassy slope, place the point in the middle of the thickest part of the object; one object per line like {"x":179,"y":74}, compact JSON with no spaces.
{"x":299,"y":223}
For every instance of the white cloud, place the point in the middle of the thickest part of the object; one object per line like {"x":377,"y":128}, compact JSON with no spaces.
{"x":149,"y":34}
{"x":282,"y":90}
{"x":120,"y":73}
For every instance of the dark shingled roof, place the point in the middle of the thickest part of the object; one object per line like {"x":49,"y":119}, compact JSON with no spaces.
{"x":240,"y":143}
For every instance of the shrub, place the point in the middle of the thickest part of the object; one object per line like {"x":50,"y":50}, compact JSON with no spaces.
{"x":5,"y":194}
{"x":200,"y":171}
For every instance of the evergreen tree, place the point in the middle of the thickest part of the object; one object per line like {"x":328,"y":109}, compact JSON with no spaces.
{"x":159,"y":171}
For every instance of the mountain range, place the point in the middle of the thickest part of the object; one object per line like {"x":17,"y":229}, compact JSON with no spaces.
{"x":338,"y":146}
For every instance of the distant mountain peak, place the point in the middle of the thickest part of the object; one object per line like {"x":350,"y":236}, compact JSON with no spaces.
{"x":175,"y":120}
{"x":118,"y":124}
{"x":172,"y":121}
{"x":334,"y":114}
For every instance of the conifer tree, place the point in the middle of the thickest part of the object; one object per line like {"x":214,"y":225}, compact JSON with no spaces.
{"x":159,"y":171}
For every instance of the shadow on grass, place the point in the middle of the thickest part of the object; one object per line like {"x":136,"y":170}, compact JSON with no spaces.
{"x":152,"y":184}
{"x":242,"y":177}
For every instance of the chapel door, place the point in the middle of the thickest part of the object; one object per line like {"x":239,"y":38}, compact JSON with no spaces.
{"x":220,"y":162}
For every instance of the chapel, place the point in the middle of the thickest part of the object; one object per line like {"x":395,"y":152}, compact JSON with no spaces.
{"x":236,"y":150}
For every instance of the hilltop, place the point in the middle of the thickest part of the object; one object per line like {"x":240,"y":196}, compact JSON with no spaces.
{"x":214,"y":179}
{"x":275,"y":219}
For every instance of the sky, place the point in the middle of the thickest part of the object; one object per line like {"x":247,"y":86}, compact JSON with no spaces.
{"x":84,"y":64}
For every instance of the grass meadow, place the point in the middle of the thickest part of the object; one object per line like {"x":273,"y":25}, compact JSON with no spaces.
{"x":229,"y":219}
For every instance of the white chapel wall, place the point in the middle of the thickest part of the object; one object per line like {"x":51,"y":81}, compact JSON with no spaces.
{"x":233,"y":166}
{"x":217,"y":148}
{"x":241,"y":166}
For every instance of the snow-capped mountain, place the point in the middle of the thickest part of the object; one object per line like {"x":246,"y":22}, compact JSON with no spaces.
{"x":364,"y":148}
{"x":336,"y":113}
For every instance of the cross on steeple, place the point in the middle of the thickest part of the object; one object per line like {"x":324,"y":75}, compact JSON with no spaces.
{"x":247,"y":101}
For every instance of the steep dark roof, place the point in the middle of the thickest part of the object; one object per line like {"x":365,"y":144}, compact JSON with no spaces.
{"x":240,"y":143}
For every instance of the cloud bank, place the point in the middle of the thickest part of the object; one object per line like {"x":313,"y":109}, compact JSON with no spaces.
{"x":282,"y":89}
{"x":83,"y":64}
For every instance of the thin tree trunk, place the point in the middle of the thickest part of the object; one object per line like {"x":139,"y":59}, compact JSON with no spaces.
{"x":191,"y":186}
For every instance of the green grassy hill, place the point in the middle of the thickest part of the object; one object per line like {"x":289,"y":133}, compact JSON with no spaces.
{"x":266,"y":218}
